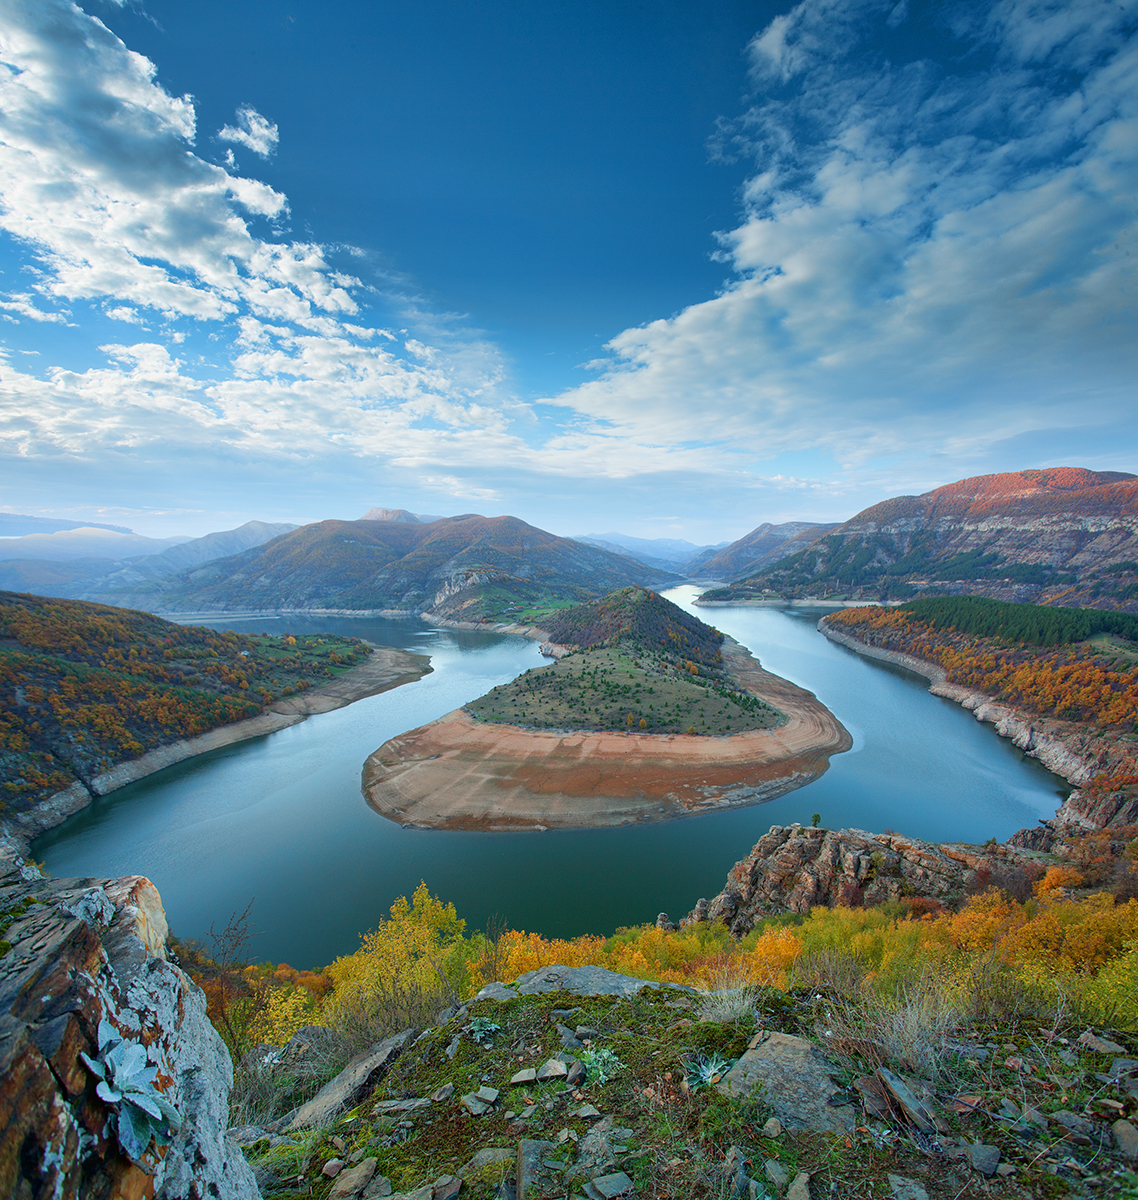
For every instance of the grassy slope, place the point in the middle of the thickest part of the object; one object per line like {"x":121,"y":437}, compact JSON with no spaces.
{"x":642,"y":659}
{"x":83,"y":686}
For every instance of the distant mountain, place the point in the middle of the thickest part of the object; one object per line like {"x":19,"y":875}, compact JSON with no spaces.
{"x":108,"y":579}
{"x":1064,"y":535}
{"x":18,"y":524}
{"x":397,"y":514}
{"x":670,"y":553}
{"x":766,"y":544}
{"x":85,"y":541}
{"x":467,"y":567}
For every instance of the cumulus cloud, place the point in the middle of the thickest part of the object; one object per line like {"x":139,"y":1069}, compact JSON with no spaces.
{"x":252,"y":130}
{"x":932,"y":256}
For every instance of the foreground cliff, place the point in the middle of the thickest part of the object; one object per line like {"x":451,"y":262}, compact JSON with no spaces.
{"x":113,"y":1082}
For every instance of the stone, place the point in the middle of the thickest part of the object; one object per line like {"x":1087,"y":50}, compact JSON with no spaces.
{"x":587,"y":1112}
{"x":776,"y":1173}
{"x":93,"y":950}
{"x":453,"y":1045}
{"x":525,"y":1075}
{"x":587,"y":1033}
{"x":800,"y":1188}
{"x":595,"y":1153}
{"x":487,"y":1095}
{"x":569,"y":1040}
{"x":1122,"y":1067}
{"x":1099,"y":1045}
{"x":246,"y":1135}
{"x":332,"y":1167}
{"x":1125,"y":1139}
{"x":474,"y":1106}
{"x":446,"y":1188}
{"x":585,"y":981}
{"x":442,"y":1094}
{"x":495,"y":991}
{"x":902,"y":1097}
{"x":984,"y":1159}
{"x":359,"y":1077}
{"x":906,"y":1189}
{"x":351,"y":1183}
{"x":575,"y":1075}
{"x":610,"y":1186}
{"x":379,"y":1188}
{"x":400,"y":1106}
{"x":1073,"y":1122}
{"x":489,"y":1165}
{"x":531,"y":1167}
{"x":552,"y":1068}
{"x":426,"y":1192}
{"x":794,"y":1078}
{"x":772,"y":1128}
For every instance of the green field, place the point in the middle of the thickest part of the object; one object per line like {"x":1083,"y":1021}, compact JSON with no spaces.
{"x":617,"y":688}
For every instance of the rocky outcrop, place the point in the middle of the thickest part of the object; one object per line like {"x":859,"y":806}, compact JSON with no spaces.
{"x":83,"y":969}
{"x":792,"y":869}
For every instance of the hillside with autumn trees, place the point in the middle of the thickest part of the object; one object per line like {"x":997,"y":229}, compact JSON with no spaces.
{"x":1074,"y":664}
{"x":85,"y":686}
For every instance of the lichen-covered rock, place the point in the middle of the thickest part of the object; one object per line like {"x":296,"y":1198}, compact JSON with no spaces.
{"x":82,"y":952}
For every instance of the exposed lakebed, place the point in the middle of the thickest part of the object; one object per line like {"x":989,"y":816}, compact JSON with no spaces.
{"x":281,"y":819}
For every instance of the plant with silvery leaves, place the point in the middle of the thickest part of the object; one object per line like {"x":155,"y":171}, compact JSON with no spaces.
{"x":141,"y":1113}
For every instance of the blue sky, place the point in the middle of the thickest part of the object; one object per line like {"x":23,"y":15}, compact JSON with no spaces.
{"x":669,"y":268}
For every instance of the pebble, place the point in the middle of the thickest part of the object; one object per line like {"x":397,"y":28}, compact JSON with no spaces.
{"x":773,"y":1128}
{"x":526,"y":1075}
{"x":332,"y":1167}
{"x":1125,"y":1138}
{"x":984,"y":1158}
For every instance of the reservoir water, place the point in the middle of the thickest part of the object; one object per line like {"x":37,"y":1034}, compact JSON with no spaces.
{"x":280,"y":820}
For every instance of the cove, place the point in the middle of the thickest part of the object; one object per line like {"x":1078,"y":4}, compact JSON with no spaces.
{"x":281,"y":821}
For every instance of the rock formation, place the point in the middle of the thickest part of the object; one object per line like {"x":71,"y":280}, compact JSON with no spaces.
{"x":792,"y":868}
{"x":84,"y":968}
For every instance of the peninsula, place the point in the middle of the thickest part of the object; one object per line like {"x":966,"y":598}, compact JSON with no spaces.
{"x":648,"y":715}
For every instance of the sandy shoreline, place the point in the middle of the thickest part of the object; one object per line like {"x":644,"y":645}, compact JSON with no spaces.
{"x":385,"y":668}
{"x":458,"y":773}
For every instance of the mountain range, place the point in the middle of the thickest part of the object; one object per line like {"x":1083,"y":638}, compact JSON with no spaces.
{"x":465,"y":567}
{"x":1063,"y":535}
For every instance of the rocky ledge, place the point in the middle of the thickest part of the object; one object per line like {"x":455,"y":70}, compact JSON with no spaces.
{"x":113,"y":1082}
{"x":793,"y":868}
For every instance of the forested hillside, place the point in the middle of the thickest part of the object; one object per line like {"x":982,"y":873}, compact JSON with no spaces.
{"x":1061,"y":536}
{"x":1072,"y":664}
{"x":84,"y":686}
{"x":468,"y":567}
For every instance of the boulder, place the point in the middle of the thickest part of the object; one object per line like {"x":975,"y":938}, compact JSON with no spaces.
{"x":794,"y":1078}
{"x":584,"y":981}
{"x":356,"y":1080}
{"x":86,"y":954}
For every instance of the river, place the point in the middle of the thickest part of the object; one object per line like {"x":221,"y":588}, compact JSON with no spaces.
{"x":280,"y":820}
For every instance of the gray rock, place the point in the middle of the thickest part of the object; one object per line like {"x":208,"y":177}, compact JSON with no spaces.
{"x":487,"y":1095}
{"x":1125,"y":1139}
{"x":379,"y":1188}
{"x":1122,"y":1067}
{"x":442,"y":1094}
{"x":351,"y":1183}
{"x":800,"y":1188}
{"x":398,"y":1106}
{"x":360,"y":1076}
{"x":474,"y":1106}
{"x":776,"y":1173}
{"x":585,"y":981}
{"x":485,"y":1160}
{"x":906,"y":1189}
{"x":246,"y":1135}
{"x":569,"y":1040}
{"x":532,"y":1170}
{"x":610,"y":1186}
{"x":495,"y":991}
{"x":772,"y":1128}
{"x":525,"y":1075}
{"x":446,"y":1188}
{"x":1073,"y":1122}
{"x":1099,"y":1045}
{"x":552,"y":1068}
{"x":587,"y":1112}
{"x":426,"y":1192}
{"x":795,"y":1078}
{"x":984,"y":1159}
{"x":576,"y":1073}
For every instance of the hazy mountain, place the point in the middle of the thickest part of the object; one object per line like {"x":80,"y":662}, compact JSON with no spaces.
{"x":86,"y":541}
{"x":397,"y":514}
{"x":766,"y":544}
{"x":103,"y":578}
{"x":670,"y":553}
{"x":17,"y":524}
{"x":1063,"y":535}
{"x":405,"y":566}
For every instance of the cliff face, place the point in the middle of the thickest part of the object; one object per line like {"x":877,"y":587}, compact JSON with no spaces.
{"x":1064,"y":535}
{"x":792,"y":868}
{"x":84,"y":969}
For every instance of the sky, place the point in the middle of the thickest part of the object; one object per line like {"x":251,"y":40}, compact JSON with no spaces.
{"x":667,"y":268}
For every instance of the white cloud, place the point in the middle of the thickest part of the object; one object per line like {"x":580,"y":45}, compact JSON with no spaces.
{"x":21,"y":304}
{"x":929,"y":261}
{"x":252,"y":131}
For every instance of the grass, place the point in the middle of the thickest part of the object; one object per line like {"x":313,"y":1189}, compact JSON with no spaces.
{"x":617,"y":688}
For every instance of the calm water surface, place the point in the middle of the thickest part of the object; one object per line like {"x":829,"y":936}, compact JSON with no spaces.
{"x":280,"y":820}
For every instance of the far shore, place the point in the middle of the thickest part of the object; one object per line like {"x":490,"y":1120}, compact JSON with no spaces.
{"x":461,"y":774}
{"x":383,"y":669}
